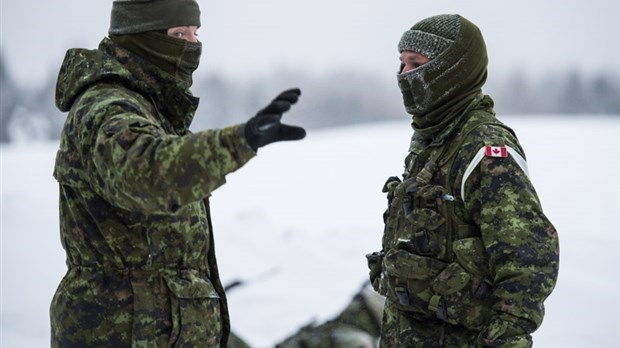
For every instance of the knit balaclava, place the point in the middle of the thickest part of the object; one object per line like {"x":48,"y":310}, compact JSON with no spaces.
{"x":431,"y":36}
{"x":140,"y":25}
{"x":440,"y":91}
{"x":137,"y":16}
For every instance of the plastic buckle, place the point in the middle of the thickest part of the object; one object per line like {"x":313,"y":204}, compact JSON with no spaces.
{"x":403,"y":295}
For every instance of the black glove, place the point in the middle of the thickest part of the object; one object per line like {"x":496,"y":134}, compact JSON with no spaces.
{"x":375,"y":266}
{"x":265,"y":127}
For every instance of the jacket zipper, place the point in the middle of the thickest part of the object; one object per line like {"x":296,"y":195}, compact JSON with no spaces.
{"x":149,"y":257}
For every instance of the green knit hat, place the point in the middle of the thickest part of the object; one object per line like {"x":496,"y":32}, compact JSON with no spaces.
{"x":431,"y":36}
{"x":136,"y":16}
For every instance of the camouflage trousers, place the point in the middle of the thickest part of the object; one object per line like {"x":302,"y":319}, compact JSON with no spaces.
{"x":402,"y":330}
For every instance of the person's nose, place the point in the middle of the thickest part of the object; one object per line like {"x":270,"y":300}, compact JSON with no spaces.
{"x":192,"y":38}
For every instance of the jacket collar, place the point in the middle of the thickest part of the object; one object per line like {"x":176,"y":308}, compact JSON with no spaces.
{"x":171,"y":99}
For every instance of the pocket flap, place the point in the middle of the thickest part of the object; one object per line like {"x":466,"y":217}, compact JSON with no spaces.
{"x":188,"y":284}
{"x":452,"y":279}
{"x":471,"y":254}
{"x":403,"y":264}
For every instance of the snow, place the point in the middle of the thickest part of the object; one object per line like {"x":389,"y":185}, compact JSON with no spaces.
{"x":296,"y":222}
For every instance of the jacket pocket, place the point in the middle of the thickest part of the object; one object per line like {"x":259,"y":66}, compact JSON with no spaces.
{"x":409,"y":280}
{"x":195,"y":308}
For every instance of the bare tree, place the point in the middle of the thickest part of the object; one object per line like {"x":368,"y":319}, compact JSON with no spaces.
{"x":9,"y":96}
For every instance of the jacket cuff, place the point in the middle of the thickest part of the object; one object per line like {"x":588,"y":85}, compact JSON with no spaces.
{"x":244,"y":146}
{"x":501,"y":333}
{"x":234,"y":137}
{"x":524,"y":341}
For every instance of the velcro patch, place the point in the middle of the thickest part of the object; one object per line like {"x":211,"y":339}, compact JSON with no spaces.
{"x":496,"y":151}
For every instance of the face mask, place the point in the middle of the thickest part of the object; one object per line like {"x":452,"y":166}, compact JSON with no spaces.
{"x":412,"y":86}
{"x":177,"y":57}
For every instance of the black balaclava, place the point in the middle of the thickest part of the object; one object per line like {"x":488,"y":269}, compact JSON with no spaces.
{"x":139,"y":26}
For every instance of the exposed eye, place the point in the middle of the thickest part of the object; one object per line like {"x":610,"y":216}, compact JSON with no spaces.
{"x":178,"y":34}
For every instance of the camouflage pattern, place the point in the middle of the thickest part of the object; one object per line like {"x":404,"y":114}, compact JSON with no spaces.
{"x":134,"y":213}
{"x":234,"y":341}
{"x":464,"y":273}
{"x":357,"y":326}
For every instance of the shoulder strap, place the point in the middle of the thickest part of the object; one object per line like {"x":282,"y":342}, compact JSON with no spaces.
{"x":449,"y":152}
{"x":448,"y":155}
{"x":478,"y":158}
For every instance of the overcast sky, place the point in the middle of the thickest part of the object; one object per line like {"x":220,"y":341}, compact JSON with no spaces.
{"x":255,"y":37}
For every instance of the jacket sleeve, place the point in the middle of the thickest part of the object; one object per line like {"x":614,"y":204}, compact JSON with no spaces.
{"x":521,"y":243}
{"x":141,"y":168}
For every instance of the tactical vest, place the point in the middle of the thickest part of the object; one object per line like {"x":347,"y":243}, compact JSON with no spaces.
{"x":434,"y":264}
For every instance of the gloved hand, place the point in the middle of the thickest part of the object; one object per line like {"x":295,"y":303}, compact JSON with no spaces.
{"x":374,"y":265}
{"x":265,"y":127}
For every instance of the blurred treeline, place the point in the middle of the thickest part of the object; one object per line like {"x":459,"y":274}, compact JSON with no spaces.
{"x":335,"y":99}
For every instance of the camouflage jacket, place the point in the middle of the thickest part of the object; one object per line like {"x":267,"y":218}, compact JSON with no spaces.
{"x":466,"y":241}
{"x":134,"y":213}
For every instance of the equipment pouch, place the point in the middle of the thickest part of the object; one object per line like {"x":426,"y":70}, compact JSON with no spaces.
{"x":409,"y":279}
{"x":464,"y":286}
{"x":424,"y":227}
{"x":470,"y":254}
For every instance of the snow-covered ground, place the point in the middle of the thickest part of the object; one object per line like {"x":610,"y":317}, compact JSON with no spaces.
{"x":297,"y":220}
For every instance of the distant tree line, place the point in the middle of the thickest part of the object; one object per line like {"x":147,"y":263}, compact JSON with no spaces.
{"x":27,"y":113}
{"x":329,"y":100}
{"x":567,"y":92}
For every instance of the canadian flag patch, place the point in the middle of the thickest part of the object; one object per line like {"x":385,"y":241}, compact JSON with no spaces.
{"x":496,"y":151}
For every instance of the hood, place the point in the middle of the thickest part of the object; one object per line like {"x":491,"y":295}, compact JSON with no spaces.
{"x":440,"y":91}
{"x":82,"y":68}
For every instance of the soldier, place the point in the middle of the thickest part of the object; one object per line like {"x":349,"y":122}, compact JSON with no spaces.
{"x":468,"y":256}
{"x":357,"y":326}
{"x":134,"y":185}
